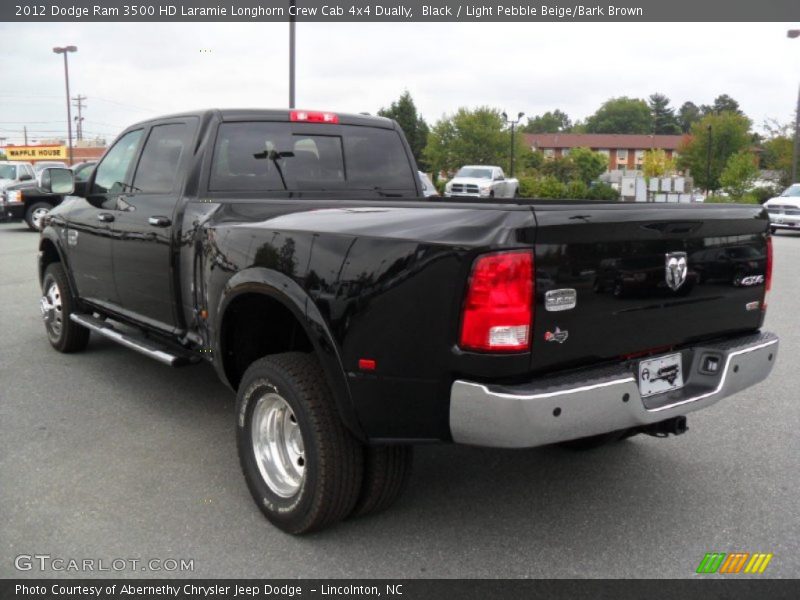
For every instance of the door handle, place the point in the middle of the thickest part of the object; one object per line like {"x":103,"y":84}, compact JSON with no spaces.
{"x":159,"y":221}
{"x":105,"y":217}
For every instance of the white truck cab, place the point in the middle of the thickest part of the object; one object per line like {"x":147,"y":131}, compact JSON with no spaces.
{"x":482,"y":181}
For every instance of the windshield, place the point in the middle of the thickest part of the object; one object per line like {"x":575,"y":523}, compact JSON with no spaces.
{"x":8,"y":172}
{"x":475,"y":173}
{"x":40,"y":166}
{"x":792,"y":191}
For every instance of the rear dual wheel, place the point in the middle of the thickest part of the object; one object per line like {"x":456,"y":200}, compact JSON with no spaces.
{"x":305,"y":470}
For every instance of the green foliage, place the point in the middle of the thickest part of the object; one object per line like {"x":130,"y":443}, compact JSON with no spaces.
{"x":739,"y":174}
{"x":722,"y":103}
{"x":745,"y":199}
{"x":777,"y":155}
{"x":561,"y":168}
{"x":656,"y":163}
{"x":762,"y":194}
{"x":729,"y":134}
{"x":469,"y":137}
{"x":621,"y":115}
{"x":550,"y":122}
{"x":549,"y":187}
{"x":404,"y":111}
{"x":589,"y":165}
{"x":663,"y":116}
{"x":688,"y":114}
{"x":529,"y":161}
{"x":602,"y":191}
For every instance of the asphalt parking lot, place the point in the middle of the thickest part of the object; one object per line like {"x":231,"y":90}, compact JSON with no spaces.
{"x":107,"y":454}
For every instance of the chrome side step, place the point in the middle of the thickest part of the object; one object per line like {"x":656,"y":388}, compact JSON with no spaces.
{"x":162,"y":353}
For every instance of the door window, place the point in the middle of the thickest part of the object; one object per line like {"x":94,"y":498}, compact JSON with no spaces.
{"x":116,"y":164}
{"x":158,"y":167}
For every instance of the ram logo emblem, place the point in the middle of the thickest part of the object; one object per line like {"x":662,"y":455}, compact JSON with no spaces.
{"x":676,"y":269}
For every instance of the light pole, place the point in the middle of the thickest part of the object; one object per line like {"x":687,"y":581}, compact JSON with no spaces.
{"x":513,"y":126}
{"x":793,"y":33}
{"x":66,"y":50}
{"x":291,"y":53}
{"x":708,"y":161}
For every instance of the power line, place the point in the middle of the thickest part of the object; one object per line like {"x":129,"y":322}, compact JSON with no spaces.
{"x":78,"y":103}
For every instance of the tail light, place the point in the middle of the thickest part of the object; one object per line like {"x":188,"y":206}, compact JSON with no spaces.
{"x":498,"y":310}
{"x":768,"y":277}
{"x":313,"y":116}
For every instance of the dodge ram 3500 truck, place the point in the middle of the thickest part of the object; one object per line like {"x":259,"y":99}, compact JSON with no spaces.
{"x":354,"y":318}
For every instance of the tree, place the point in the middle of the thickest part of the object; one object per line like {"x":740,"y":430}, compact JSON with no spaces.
{"x":476,"y":136}
{"x":664,"y":119}
{"x":688,"y":114}
{"x":621,"y":115}
{"x":729,"y":134}
{"x":589,"y":164}
{"x":739,"y":173}
{"x":777,"y":149}
{"x":656,"y":163}
{"x":550,"y":122}
{"x":404,"y":111}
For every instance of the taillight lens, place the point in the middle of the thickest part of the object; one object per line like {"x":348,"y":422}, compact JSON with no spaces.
{"x":498,"y":310}
{"x":768,"y":282}
{"x":313,"y":116}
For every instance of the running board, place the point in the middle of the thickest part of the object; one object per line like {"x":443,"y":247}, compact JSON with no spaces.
{"x":160,"y":352}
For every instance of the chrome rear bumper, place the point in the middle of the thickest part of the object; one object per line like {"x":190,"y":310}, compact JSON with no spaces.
{"x":598,"y":400}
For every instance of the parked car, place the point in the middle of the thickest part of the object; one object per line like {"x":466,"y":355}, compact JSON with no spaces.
{"x":82,"y":170}
{"x":14,"y":172}
{"x":353,"y":318}
{"x":479,"y":181}
{"x":48,"y":164}
{"x":784,"y":210}
{"x":428,"y":189}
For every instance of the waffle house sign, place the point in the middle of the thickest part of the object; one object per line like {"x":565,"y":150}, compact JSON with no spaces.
{"x":36,"y":152}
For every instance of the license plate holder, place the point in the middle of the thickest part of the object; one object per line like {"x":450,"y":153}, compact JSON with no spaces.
{"x":660,"y":374}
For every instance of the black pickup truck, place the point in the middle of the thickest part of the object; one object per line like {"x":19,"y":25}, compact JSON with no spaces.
{"x":293,"y":251}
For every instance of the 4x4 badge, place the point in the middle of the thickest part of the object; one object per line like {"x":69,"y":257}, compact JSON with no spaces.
{"x":556,"y":336}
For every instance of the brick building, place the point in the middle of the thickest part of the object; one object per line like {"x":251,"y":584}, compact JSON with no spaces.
{"x":624,"y":151}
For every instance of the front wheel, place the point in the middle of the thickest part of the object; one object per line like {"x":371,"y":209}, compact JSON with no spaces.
{"x":57,"y":304}
{"x":303,"y":467}
{"x":34,"y":216}
{"x":773,"y":230}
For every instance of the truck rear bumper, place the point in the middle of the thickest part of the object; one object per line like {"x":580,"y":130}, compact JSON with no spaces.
{"x":602,"y":399}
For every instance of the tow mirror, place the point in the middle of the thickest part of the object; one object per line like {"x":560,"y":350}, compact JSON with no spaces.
{"x":56,"y":180}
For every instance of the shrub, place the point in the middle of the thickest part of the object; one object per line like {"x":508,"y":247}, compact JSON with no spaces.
{"x":602,"y":191}
{"x":744,"y":199}
{"x":578,"y":190}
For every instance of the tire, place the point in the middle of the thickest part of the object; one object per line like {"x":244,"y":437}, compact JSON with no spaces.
{"x":594,"y":441}
{"x":35,"y":213}
{"x":311,"y":477}
{"x":773,"y":230}
{"x":387,"y":471}
{"x":57,"y":305}
{"x":516,"y":193}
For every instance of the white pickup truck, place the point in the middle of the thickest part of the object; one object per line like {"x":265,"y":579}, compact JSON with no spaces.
{"x":482,"y":181}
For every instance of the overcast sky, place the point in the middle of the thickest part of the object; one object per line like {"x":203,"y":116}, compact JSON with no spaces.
{"x":134,"y":71}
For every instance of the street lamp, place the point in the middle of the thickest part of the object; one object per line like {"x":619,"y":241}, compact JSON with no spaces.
{"x":513,"y":125}
{"x":708,"y":162}
{"x":66,"y":50}
{"x":793,"y":33}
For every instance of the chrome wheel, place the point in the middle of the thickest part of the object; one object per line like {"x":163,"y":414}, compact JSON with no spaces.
{"x":52,"y":309}
{"x":278,"y":445}
{"x":37,"y":217}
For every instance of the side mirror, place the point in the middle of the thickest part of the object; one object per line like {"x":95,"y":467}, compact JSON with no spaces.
{"x":56,"y":180}
{"x":499,"y":178}
{"x":25,"y":177}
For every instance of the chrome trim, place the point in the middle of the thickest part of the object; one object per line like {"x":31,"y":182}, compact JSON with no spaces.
{"x":113,"y":334}
{"x":722,"y":379}
{"x":600,"y":399}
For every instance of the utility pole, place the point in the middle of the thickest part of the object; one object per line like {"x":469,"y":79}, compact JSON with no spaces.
{"x":79,"y":119}
{"x":796,"y":147}
{"x":65,"y":50}
{"x":25,"y":134}
{"x":708,"y":162}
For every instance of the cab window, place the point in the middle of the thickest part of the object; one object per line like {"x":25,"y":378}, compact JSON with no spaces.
{"x":116,"y":164}
{"x":158,"y":167}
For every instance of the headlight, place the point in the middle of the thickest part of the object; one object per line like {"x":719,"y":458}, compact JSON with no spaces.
{"x":14,"y":196}
{"x":485,"y":189}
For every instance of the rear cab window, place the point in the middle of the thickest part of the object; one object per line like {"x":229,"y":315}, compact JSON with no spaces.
{"x":282,"y":156}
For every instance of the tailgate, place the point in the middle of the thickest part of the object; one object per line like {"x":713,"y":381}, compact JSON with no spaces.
{"x":645,"y":278}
